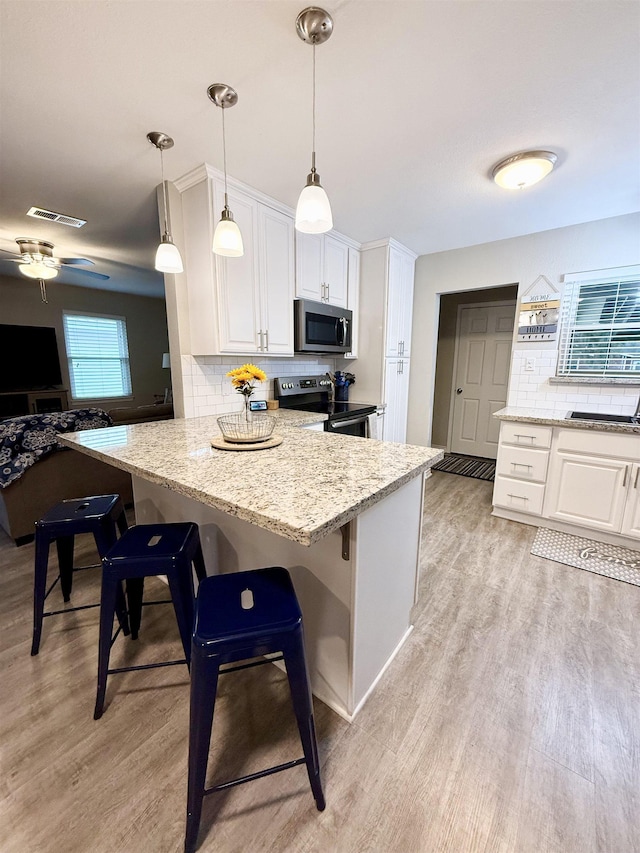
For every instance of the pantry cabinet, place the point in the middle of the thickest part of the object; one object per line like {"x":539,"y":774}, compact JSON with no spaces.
{"x":396,"y":381}
{"x":399,"y":303}
{"x":384,"y":363}
{"x":322,"y":268}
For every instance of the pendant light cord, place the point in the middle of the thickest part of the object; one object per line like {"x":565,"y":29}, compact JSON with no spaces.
{"x":164,"y":193}
{"x":224,"y":160}
{"x":313,"y":111}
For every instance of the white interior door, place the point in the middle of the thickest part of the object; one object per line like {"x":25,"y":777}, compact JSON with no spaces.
{"x":481,"y":374}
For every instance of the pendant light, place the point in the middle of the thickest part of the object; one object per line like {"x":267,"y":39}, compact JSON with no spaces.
{"x":167,"y":256}
{"x":523,"y":170}
{"x":227,"y":239}
{"x":313,"y":212}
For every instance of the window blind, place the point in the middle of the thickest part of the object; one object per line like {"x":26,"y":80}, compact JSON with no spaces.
{"x":600,"y":326}
{"x":98,"y":355}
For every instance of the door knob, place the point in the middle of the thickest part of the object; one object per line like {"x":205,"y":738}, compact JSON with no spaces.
{"x":458,"y":390}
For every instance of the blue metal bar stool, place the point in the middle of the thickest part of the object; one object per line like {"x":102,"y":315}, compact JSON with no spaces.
{"x":239,"y":616}
{"x":147,"y":550}
{"x":99,"y":515}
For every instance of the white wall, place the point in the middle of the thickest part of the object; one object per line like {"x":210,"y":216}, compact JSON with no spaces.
{"x":519,"y":260}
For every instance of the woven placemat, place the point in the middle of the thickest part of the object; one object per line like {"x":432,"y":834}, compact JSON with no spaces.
{"x":220,"y":444}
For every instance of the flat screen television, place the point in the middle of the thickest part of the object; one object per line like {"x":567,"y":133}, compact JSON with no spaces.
{"x":28,"y":358}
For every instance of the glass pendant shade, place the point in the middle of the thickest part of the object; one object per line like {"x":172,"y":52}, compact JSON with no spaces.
{"x":168,"y":257}
{"x":524,"y":170}
{"x":313,"y":212}
{"x":227,"y":239}
{"x":38,"y":270}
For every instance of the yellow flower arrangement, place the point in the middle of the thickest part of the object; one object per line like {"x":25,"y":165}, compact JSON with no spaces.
{"x":243,"y":378}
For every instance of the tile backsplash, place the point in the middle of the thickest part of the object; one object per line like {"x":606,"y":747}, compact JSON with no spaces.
{"x":208,"y":390}
{"x":531,"y":388}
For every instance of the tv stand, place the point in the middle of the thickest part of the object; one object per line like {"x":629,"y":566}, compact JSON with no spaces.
{"x":16,"y":403}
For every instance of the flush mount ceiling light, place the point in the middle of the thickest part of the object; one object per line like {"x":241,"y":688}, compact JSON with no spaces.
{"x":313,"y":212}
{"x":227,"y":239}
{"x":523,"y":170}
{"x":168,"y":257}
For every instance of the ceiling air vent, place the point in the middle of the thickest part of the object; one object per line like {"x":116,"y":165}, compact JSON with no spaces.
{"x":49,"y":215}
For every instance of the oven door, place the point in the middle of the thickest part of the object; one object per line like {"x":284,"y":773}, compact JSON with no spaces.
{"x":358,"y":425}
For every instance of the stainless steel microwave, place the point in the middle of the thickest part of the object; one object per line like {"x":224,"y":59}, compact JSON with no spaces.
{"x":321,"y":328}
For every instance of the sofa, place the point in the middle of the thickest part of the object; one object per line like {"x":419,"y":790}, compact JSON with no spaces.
{"x":68,"y":474}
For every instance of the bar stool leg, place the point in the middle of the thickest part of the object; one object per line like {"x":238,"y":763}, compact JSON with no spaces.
{"x":64,"y":546}
{"x":198,"y":562}
{"x":135,"y":592}
{"x":121,"y":522}
{"x":107,"y":609}
{"x":204,"y":684}
{"x":39,"y":587}
{"x":303,"y":708}
{"x":105,"y":537}
{"x":181,"y":589}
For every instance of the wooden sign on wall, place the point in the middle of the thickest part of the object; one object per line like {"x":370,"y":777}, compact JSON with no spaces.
{"x":539,"y":312}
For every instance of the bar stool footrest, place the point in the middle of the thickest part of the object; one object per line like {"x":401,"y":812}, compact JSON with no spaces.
{"x":250,"y":665}
{"x":278,"y":768}
{"x":70,"y":609}
{"x":146,"y":666}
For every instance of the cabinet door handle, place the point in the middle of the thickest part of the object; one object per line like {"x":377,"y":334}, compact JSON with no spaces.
{"x":626,"y":474}
{"x":635,"y":482}
{"x":260,"y":339}
{"x":329,"y":292}
{"x":266,"y":340}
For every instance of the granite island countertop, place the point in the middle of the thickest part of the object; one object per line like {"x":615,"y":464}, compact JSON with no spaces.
{"x":549,"y":417}
{"x":311,"y":484}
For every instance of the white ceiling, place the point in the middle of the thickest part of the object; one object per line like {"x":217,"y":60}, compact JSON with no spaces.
{"x":417,"y":99}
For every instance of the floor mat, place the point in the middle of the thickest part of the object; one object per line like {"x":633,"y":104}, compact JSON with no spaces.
{"x":612,"y":561}
{"x":467,"y":466}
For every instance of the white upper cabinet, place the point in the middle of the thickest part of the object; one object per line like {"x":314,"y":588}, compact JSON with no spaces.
{"x":399,"y":303}
{"x":322,"y":268}
{"x":275,"y":242}
{"x":243,"y":305}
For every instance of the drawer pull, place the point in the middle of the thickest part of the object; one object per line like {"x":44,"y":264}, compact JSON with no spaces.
{"x":521,"y":465}
{"x":531,"y":438}
{"x":519,"y":497}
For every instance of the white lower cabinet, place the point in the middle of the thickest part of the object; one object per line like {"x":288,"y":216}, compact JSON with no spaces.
{"x":396,"y":392}
{"x":631,"y":518}
{"x":588,"y":479}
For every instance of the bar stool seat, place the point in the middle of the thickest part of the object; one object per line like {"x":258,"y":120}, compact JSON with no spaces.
{"x":100,"y":515}
{"x":148,"y":550}
{"x":239,"y":616}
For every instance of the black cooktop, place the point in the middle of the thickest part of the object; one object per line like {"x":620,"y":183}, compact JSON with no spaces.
{"x":313,"y":394}
{"x":334,"y":410}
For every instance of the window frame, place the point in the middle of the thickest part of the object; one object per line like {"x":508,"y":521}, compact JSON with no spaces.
{"x":574,"y":282}
{"x":125,"y":361}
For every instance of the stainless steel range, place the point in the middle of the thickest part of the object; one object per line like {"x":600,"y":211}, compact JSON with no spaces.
{"x":315,"y":394}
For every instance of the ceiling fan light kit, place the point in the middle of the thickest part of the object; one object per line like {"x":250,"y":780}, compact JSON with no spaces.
{"x":313,"y":211}
{"x":168,"y":258}
{"x":524,"y":169}
{"x":227,"y":238}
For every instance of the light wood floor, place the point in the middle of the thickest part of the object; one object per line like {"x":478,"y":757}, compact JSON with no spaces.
{"x":509,"y":723}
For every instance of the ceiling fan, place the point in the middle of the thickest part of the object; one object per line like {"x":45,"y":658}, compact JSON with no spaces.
{"x":36,"y":260}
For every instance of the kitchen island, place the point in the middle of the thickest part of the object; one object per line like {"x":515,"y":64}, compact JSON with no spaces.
{"x":343,"y":514}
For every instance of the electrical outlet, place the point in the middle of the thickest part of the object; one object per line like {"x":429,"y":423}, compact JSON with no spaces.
{"x":530,"y":365}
